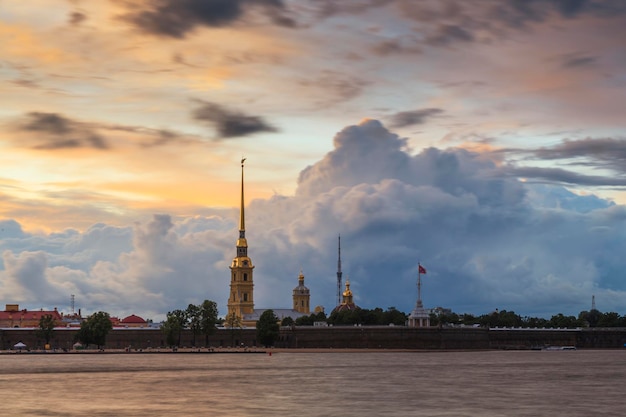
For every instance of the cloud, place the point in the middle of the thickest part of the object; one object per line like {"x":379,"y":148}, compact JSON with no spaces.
{"x":76,"y":18}
{"x":231,"y":123}
{"x":446,"y":34}
{"x":55,"y":131}
{"x":488,"y":241}
{"x":556,"y":175}
{"x":178,"y":18}
{"x":414,"y":117}
{"x":577,"y":61}
{"x":590,"y":153}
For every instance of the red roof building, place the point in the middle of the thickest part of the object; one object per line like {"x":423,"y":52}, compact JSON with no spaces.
{"x":133,"y":321}
{"x":12,"y":316}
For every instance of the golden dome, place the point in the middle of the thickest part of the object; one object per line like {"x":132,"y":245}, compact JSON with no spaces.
{"x":347,"y":292}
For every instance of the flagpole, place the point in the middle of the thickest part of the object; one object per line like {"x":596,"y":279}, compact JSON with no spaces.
{"x":419,"y":285}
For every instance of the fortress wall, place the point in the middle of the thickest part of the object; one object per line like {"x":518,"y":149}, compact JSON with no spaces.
{"x":348,"y":337}
{"x":531,"y":338}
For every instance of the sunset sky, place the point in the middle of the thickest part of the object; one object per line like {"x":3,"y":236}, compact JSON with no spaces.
{"x":484,"y":139}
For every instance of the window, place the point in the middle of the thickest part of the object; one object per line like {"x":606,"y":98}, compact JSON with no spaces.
{"x":245,"y":277}
{"x":245,"y":296}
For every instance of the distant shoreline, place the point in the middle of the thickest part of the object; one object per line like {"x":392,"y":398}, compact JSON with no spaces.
{"x":188,"y":351}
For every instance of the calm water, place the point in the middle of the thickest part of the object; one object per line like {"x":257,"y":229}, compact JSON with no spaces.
{"x":502,"y":383}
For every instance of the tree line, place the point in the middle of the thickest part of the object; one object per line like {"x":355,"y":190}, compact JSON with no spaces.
{"x":592,"y":318}
{"x":202,"y":320}
{"x":503,"y":318}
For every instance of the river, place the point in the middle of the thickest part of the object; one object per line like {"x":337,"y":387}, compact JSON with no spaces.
{"x":483,"y":383}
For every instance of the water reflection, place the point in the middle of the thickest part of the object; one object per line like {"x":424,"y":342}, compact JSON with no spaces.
{"x":527,"y":383}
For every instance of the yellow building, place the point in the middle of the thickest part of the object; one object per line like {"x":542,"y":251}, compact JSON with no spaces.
{"x":301,"y":296}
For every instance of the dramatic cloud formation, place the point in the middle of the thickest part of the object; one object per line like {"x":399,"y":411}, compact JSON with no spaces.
{"x":487,"y":241}
{"x":176,"y":18}
{"x":499,"y":161}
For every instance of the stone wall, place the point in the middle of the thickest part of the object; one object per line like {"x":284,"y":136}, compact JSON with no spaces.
{"x":339,"y":337}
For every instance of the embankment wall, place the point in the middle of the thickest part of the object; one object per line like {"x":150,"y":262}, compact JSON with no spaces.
{"x":338,"y":337}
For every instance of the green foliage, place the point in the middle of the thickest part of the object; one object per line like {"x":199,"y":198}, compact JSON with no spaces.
{"x":233,"y":322}
{"x":590,"y":318}
{"x":365,"y":317}
{"x":200,"y":319}
{"x":562,"y":321}
{"x":46,"y":327}
{"x":193,"y":319}
{"x":394,"y":316}
{"x":287,"y":321}
{"x":208,"y":319}
{"x":593,"y":318}
{"x":267,"y":328}
{"x":310,"y":320}
{"x":173,"y":326}
{"x":94,"y":330}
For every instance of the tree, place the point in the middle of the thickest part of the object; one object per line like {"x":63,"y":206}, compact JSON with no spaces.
{"x":591,"y":317}
{"x":208,"y":319}
{"x":94,"y":330}
{"x":267,"y":328}
{"x":46,"y":327}
{"x":233,"y":322}
{"x":173,"y":326}
{"x":394,"y":316}
{"x":287,"y":322}
{"x":610,"y":319}
{"x":192,"y":319}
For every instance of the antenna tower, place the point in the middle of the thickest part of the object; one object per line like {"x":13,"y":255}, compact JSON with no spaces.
{"x":339,"y":273}
{"x":593,"y":302}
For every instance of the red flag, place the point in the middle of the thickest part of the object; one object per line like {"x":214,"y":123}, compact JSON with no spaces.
{"x":422,"y":270}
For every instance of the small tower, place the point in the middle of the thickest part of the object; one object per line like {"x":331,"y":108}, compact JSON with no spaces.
{"x":301,"y":296}
{"x":241,"y":299}
{"x":348,"y":300}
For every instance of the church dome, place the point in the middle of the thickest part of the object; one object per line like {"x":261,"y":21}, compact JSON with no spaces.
{"x":132,"y":319}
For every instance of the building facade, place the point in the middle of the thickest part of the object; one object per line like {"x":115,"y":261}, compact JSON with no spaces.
{"x":301,"y":297}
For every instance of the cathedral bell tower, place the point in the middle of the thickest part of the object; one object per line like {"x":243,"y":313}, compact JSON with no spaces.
{"x":301,"y":296}
{"x":241,"y":299}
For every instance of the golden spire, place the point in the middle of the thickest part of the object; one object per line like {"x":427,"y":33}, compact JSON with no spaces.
{"x":242,"y":223}
{"x":242,"y":243}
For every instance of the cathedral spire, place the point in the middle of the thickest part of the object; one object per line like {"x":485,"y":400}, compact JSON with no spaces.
{"x":241,"y":299}
{"x":242,"y":243}
{"x":242,"y":222}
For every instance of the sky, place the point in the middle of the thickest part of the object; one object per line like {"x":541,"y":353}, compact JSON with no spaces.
{"x":485,"y":140}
